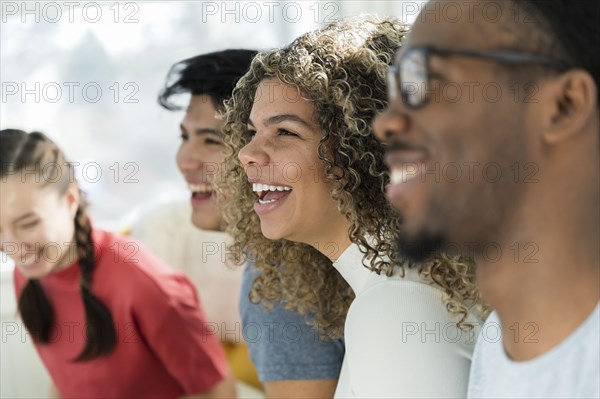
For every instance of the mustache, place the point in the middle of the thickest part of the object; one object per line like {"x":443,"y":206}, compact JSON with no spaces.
{"x":418,"y":249}
{"x":399,"y":145}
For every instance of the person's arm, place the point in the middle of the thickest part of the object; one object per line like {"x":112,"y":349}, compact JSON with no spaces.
{"x":53,"y":393}
{"x":290,"y":358}
{"x":224,"y":389}
{"x":302,"y":389}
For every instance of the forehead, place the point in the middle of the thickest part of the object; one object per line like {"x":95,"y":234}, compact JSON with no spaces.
{"x":201,"y":105}
{"x":464,"y":24}
{"x":19,"y":193}
{"x":274,"y":97}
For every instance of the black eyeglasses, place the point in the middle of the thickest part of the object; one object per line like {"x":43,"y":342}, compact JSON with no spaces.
{"x":409,"y":76}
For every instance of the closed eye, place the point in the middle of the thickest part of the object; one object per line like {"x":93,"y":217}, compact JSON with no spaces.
{"x":29,"y":225}
{"x":285,"y":132}
{"x":212,"y":142}
{"x":250,"y":133}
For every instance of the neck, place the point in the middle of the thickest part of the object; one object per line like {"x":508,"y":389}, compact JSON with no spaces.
{"x":333,"y":243}
{"x":546,"y":282}
{"x":68,"y":257}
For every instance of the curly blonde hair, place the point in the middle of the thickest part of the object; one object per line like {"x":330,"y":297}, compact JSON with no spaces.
{"x":342,"y":70}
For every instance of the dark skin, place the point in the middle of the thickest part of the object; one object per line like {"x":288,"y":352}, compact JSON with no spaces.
{"x":544,"y":283}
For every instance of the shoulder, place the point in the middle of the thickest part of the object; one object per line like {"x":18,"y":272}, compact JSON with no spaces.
{"x":283,"y":344}
{"x":404,"y":312}
{"x":276,"y":314}
{"x":404,"y":328}
{"x":401,"y":296}
{"x":125,"y":261}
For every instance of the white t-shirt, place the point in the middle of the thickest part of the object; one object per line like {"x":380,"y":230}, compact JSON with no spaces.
{"x":401,"y":342}
{"x":570,"y":370}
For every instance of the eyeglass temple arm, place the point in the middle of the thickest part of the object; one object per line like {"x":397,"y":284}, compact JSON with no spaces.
{"x":512,"y":57}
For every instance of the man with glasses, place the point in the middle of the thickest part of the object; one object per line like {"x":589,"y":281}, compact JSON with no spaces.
{"x":493,"y":139}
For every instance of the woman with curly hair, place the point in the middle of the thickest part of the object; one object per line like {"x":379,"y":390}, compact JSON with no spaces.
{"x":305,"y":185}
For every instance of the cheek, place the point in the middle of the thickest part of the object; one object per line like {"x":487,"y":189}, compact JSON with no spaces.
{"x":61,"y":226}
{"x":181,"y":156}
{"x":39,"y":235}
{"x":216,"y":160}
{"x":317,"y":188}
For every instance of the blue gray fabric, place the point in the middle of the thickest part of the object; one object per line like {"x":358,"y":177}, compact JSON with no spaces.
{"x":283,"y":346}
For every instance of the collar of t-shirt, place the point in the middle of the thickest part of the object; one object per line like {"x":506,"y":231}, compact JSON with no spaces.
{"x":350,"y":266}
{"x":68,"y":278}
{"x":355,"y":269}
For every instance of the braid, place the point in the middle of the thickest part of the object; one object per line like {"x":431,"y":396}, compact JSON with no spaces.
{"x":101,"y":336}
{"x":36,"y":311}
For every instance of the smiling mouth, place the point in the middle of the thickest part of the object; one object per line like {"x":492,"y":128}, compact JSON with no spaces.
{"x":268,"y":194}
{"x":201,"y":191}
{"x":31,"y":259}
{"x":405,"y":171}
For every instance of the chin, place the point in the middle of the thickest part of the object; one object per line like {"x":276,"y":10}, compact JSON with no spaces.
{"x":206,"y":222}
{"x":271,"y":232}
{"x":271,"y":235}
{"x":37,"y":271}
{"x":418,"y":246}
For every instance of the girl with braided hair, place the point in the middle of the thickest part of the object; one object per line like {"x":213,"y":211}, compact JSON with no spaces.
{"x":107,"y":318}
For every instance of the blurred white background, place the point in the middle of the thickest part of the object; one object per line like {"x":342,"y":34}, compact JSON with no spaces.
{"x":88,"y":74}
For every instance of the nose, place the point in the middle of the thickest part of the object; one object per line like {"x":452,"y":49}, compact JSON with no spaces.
{"x":188,"y":158}
{"x":253,"y":153}
{"x":391,"y":123}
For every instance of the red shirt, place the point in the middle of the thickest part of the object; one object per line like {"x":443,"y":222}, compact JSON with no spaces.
{"x":164,"y":348}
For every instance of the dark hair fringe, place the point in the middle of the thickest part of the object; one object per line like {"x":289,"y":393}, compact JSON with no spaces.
{"x":214,"y":74}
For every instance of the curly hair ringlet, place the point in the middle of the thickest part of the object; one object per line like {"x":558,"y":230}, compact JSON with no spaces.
{"x":341,"y":69}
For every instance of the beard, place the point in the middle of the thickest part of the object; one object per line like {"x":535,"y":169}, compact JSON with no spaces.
{"x":419,"y":248}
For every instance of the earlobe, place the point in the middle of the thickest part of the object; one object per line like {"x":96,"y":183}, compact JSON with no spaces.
{"x":572,"y":103}
{"x":73,"y":198}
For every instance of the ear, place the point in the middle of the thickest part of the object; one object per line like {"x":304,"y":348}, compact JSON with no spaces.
{"x":73,"y":198}
{"x":572,"y":102}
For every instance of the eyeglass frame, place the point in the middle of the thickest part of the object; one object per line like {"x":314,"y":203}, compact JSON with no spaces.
{"x":394,"y":83}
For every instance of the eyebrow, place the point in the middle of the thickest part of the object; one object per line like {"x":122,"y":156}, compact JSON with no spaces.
{"x":201,"y":131}
{"x":283,"y":118}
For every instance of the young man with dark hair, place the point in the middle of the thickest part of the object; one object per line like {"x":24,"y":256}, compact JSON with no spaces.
{"x":526,"y":200}
{"x":302,"y":367}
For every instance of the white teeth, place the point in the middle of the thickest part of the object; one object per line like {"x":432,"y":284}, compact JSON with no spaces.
{"x":396,"y":176}
{"x":257,"y":187}
{"x":404,"y":174}
{"x":266,"y":201}
{"x":201,"y":188}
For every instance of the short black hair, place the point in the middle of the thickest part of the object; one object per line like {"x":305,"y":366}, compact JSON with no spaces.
{"x":213,"y":74}
{"x":569,"y":31}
